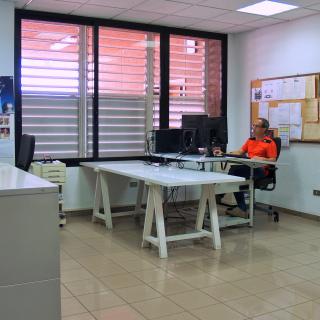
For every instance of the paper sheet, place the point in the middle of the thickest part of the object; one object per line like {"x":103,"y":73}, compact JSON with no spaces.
{"x":311,"y":111}
{"x":299,"y":88}
{"x":310,"y":87}
{"x":295,"y":113}
{"x":311,"y":131}
{"x":283,"y":132}
{"x":284,"y":113}
{"x":264,"y":110}
{"x":273,"y":118}
{"x":268,"y":90}
{"x":256,"y":95}
{"x":295,"y":132}
{"x":287,"y":88}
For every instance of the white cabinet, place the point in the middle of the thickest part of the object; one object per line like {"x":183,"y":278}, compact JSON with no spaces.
{"x":29,"y":254}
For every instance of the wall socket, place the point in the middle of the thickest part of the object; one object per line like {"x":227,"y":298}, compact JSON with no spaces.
{"x":133,"y":184}
{"x":316,"y":193}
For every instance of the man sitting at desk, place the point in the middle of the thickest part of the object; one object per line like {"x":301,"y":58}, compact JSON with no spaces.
{"x":260,"y":147}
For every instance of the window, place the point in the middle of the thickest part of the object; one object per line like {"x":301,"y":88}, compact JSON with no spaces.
{"x":57,"y":86}
{"x":195,"y":70}
{"x":51,"y":90}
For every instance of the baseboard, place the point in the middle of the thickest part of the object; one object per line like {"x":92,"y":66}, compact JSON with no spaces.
{"x":293,"y":212}
{"x":180,"y":204}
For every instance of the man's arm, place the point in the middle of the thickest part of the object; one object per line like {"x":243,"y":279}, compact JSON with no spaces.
{"x":239,"y":152}
{"x":264,"y":159}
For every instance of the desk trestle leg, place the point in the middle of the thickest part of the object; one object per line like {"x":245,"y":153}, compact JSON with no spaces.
{"x":102,"y":190}
{"x":208,"y":196}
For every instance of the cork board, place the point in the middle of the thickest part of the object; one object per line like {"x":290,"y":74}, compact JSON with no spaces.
{"x":310,"y":105}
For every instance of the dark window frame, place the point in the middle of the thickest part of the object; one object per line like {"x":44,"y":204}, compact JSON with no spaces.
{"x":164,"y":32}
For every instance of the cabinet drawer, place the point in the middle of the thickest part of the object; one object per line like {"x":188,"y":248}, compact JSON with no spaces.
{"x":53,"y":174}
{"x":53,"y":169}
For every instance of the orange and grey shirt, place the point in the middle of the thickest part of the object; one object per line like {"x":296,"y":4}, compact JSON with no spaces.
{"x":265,"y":148}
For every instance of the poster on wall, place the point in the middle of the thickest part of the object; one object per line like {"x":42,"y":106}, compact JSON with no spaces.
{"x":6,"y":117}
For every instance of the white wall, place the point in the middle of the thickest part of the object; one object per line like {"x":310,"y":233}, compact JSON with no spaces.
{"x":280,"y":50}
{"x":7,"y":45}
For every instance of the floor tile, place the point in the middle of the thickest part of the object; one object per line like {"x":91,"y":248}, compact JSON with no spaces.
{"x":306,"y":289}
{"x":101,"y":300}
{"x":118,"y":313}
{"x":258,"y":268}
{"x":104,"y":270}
{"x":157,"y":308}
{"x":192,"y":299}
{"x":225,"y":292}
{"x":254,"y":285}
{"x":277,"y":315}
{"x":307,"y":311}
{"x":251,"y":306}
{"x":136,"y":265}
{"x":65,"y":293}
{"x":179,"y":316}
{"x":281,"y":278}
{"x":217,"y":311}
{"x":119,"y":281}
{"x":284,"y":263}
{"x":282,"y":298}
{"x":152,"y":275}
{"x":139,"y":293}
{"x":304,"y":272}
{"x":83,"y":316}
{"x":202,"y":281}
{"x":170,"y":286}
{"x":69,"y":264}
{"x":74,"y":275}
{"x":71,"y":306}
{"x":230,"y":274}
{"x":82,"y":287}
{"x":304,"y":258}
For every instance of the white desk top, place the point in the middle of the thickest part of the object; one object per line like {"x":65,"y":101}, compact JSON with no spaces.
{"x":14,"y":181}
{"x":96,"y":164}
{"x":166,"y":176}
{"x":204,"y":159}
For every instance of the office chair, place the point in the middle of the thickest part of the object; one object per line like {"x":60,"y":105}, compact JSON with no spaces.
{"x":26,"y":152}
{"x":269,"y":182}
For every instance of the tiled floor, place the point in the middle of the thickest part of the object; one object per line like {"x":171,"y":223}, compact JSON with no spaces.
{"x":269,"y":272}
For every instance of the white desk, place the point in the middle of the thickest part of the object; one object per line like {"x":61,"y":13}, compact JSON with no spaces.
{"x":155,"y":177}
{"x":202,"y":159}
{"x":30,"y":252}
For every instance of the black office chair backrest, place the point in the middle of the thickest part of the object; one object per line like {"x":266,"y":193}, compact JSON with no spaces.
{"x":277,"y":141}
{"x":26,"y":152}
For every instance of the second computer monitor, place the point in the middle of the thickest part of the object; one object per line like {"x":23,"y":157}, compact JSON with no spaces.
{"x":195,"y":121}
{"x":215,"y":132}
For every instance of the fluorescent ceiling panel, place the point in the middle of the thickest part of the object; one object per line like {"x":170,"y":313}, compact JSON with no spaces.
{"x":267,"y":8}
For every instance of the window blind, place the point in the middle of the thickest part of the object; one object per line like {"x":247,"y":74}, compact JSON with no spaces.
{"x":122,"y":92}
{"x":187,"y":78}
{"x":50,"y":87}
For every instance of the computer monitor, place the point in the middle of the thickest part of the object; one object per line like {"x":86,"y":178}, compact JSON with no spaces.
{"x":216,"y":133}
{"x":195,"y":121}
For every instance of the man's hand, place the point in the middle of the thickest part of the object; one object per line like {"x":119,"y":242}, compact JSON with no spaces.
{"x":217,"y":152}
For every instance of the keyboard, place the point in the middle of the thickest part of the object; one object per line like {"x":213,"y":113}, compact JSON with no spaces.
{"x":232,"y":155}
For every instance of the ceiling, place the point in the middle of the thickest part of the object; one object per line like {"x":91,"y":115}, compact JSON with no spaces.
{"x":207,"y":15}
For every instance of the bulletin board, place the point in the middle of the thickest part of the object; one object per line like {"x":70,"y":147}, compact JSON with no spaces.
{"x":291,"y":104}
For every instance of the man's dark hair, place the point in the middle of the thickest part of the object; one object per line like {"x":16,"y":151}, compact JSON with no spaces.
{"x":265,"y":123}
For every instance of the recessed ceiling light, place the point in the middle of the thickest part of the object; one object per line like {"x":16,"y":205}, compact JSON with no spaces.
{"x":267,"y":8}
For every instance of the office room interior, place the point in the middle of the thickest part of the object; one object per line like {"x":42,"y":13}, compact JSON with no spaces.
{"x":129,"y":231}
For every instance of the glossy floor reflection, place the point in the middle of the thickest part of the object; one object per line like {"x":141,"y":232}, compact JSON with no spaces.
{"x":269,"y":272}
